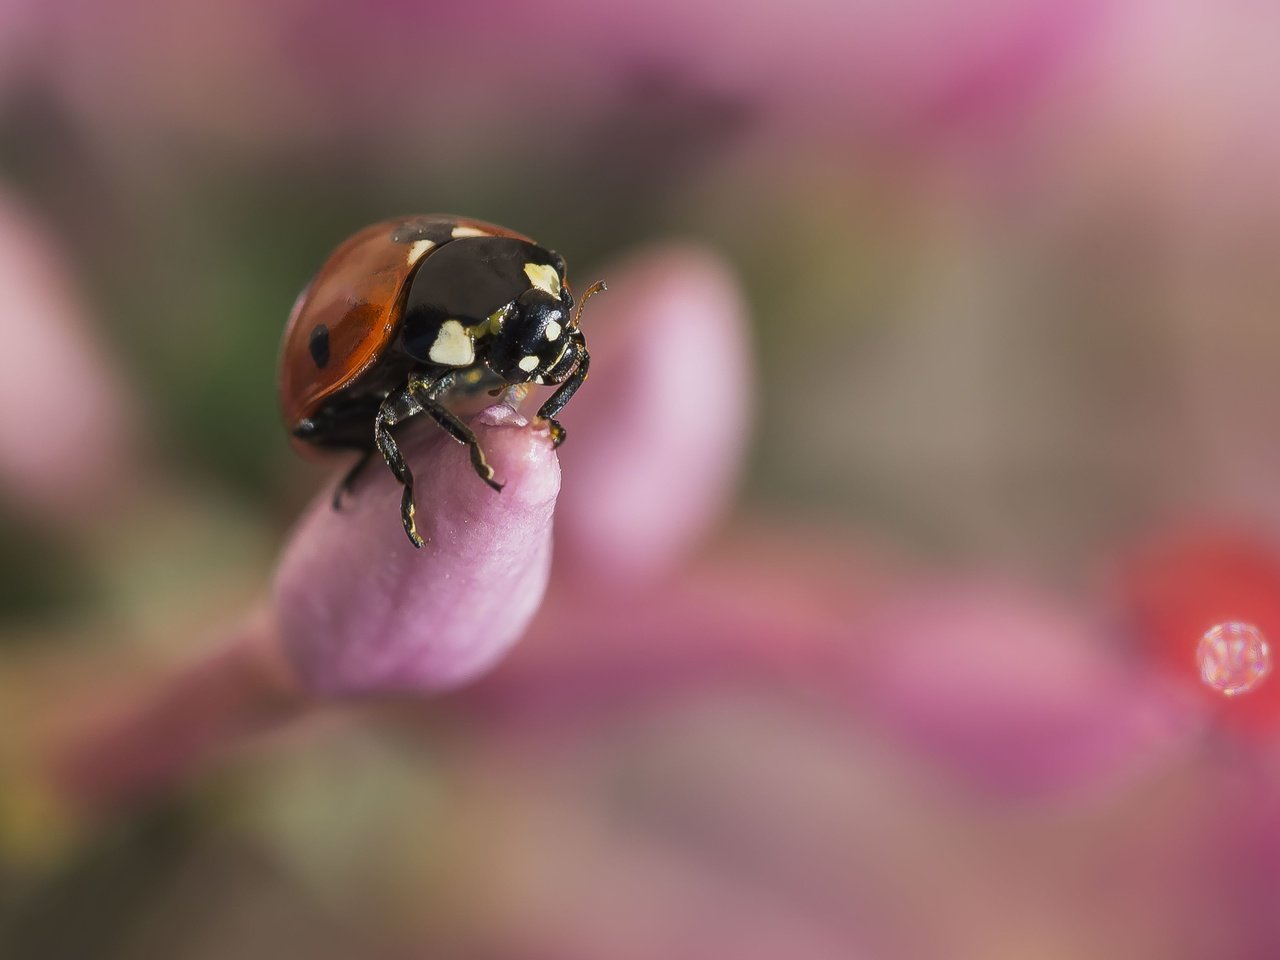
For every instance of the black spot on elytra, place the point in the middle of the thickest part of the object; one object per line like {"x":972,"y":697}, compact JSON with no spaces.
{"x":319,"y":345}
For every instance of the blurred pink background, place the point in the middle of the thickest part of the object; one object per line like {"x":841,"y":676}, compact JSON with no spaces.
{"x":926,"y":688}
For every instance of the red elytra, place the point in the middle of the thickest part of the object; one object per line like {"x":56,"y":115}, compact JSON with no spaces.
{"x":1177,"y":587}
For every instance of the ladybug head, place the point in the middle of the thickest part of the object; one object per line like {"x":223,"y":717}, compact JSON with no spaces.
{"x":537,"y":341}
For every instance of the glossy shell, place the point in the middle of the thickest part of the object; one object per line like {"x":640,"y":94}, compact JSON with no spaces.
{"x":349,"y":315}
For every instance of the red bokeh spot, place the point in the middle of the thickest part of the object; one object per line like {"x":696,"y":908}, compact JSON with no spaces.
{"x":1177,"y":587}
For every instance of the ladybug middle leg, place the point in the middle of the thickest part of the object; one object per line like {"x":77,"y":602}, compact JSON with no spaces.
{"x":426,"y":394}
{"x":421,"y":395}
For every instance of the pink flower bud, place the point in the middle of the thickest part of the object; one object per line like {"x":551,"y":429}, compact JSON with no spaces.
{"x":361,"y":611}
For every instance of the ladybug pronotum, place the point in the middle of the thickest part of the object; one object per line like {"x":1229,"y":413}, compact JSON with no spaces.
{"x":411,"y":310}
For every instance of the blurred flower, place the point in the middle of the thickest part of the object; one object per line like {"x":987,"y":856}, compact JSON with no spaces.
{"x":289,"y":75}
{"x":17,"y":27}
{"x":68,"y":441}
{"x":657,"y":450}
{"x":1018,"y":692}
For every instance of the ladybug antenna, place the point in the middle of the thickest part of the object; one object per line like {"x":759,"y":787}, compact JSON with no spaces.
{"x":587,"y":295}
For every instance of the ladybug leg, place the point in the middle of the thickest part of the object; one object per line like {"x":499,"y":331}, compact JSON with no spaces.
{"x":388,"y":415}
{"x":348,"y":480}
{"x":425,"y":393}
{"x":556,"y":402}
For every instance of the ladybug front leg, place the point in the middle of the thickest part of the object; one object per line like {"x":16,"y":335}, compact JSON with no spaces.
{"x":388,"y":415}
{"x":424,"y":393}
{"x":556,"y":402}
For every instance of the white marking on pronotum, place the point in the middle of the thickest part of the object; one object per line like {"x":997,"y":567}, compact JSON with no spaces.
{"x":553,"y":330}
{"x":528,"y":363}
{"x":544,"y":277}
{"x":460,"y":232}
{"x":453,"y":346}
{"x":418,"y":249}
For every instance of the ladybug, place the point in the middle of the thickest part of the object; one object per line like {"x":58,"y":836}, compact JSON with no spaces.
{"x":410,"y":311}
